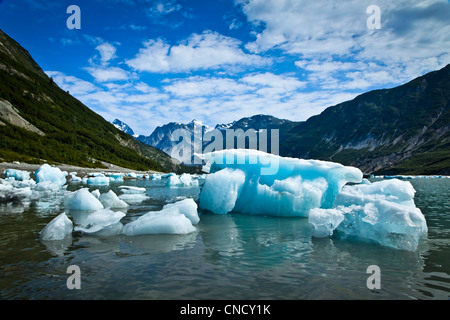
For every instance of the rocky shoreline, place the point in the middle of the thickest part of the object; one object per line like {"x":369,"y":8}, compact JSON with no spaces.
{"x":81,"y":171}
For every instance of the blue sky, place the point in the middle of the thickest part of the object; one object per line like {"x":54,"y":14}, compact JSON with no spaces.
{"x":151,"y":62}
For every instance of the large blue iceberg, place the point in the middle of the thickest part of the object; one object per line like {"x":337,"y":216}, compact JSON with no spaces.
{"x":254,"y":182}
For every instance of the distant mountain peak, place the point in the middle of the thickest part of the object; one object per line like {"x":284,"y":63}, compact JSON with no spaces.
{"x":122,"y":126}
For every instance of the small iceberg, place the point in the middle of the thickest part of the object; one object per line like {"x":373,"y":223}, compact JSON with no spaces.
{"x":46,"y":176}
{"x":83,"y":200}
{"x":105,"y":220}
{"x":57,"y":229}
{"x":111,"y":200}
{"x":382,"y":212}
{"x":176,"y":218}
{"x":132,"y":195}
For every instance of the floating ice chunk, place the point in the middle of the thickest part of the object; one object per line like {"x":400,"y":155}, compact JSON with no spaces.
{"x":132,"y":195}
{"x":155,"y":177}
{"x":57,"y":229}
{"x":115,"y":177}
{"x":96,"y":193}
{"x":74,"y":178}
{"x":221,"y":190}
{"x":83,"y":200}
{"x":159,"y":223}
{"x":186,"y":207}
{"x":383,"y":212}
{"x":174,"y":218}
{"x":132,"y":190}
{"x":111,"y":200}
{"x":19,"y":175}
{"x":10,"y":193}
{"x":173,"y":181}
{"x":49,"y":174}
{"x":325,"y":221}
{"x":268,"y":184}
{"x":184,"y":180}
{"x":98,"y":180}
{"x":99,"y":220}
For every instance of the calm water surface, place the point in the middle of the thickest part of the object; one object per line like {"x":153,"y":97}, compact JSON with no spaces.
{"x":230,"y":256}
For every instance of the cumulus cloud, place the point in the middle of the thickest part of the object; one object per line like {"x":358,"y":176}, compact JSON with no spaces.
{"x":414,"y":38}
{"x":209,"y":50}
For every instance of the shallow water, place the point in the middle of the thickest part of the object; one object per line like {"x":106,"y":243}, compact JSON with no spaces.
{"x":230,"y":256}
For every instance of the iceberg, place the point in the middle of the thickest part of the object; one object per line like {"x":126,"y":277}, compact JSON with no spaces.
{"x":47,"y":175}
{"x":255,"y":182}
{"x":382,"y":212}
{"x":57,"y":229}
{"x":83,"y":200}
{"x":101,"y":220}
{"x":186,"y":207}
{"x":9,"y":192}
{"x":184,"y":180}
{"x":221,"y":190}
{"x":97,"y":180}
{"x":19,"y":175}
{"x":132,"y":195}
{"x":174,"y":218}
{"x":115,"y":177}
{"x":111,"y":200}
{"x":74,"y":178}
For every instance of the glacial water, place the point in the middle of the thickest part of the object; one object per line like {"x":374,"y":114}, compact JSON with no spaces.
{"x":232,"y":256}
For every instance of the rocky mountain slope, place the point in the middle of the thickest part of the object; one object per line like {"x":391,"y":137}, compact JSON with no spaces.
{"x":41,"y":122}
{"x":403,"y":130}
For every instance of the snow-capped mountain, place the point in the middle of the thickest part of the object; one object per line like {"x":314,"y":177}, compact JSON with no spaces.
{"x":166,"y":137}
{"x":124,"y":127}
{"x":163,"y":137}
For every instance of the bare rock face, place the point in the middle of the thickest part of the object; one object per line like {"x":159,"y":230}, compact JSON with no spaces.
{"x":10,"y":114}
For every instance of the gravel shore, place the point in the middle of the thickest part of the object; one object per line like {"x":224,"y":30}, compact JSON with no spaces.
{"x":81,"y":172}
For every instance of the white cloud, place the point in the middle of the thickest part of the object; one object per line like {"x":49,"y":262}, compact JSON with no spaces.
{"x":107,"y":52}
{"x":163,"y":8}
{"x":331,"y":39}
{"x":105,"y":74}
{"x":208,"y":50}
{"x":72,"y":84}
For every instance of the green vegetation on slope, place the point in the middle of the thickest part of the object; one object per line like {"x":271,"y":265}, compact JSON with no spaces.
{"x":74,"y":134}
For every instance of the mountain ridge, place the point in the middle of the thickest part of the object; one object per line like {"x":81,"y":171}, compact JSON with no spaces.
{"x":65,"y":130}
{"x":401,"y":130}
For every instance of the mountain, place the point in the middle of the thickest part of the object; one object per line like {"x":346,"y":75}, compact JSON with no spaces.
{"x":403,"y":130}
{"x":122,"y":126}
{"x":162,"y":137}
{"x":41,"y":122}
